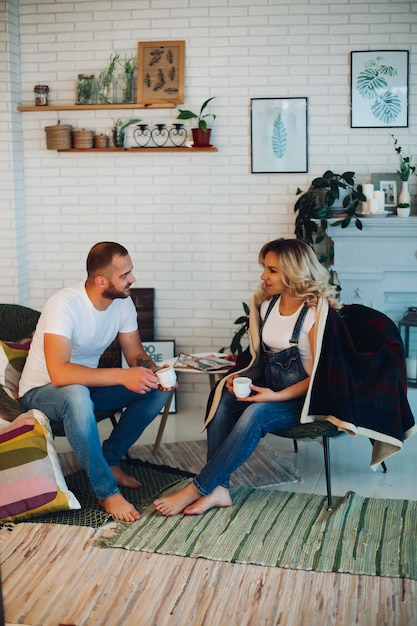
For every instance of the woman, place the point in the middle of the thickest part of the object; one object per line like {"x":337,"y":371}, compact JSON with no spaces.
{"x":294,"y":288}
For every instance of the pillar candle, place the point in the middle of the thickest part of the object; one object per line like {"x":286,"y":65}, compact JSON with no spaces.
{"x":373,"y":205}
{"x":380,"y":196}
{"x":365,"y":207}
{"x":368,"y":191}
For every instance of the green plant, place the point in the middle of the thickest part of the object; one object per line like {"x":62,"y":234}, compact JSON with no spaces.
{"x":314,"y":209}
{"x":119,"y":128}
{"x":201,"y":119}
{"x":129,"y":67}
{"x":105,"y":80}
{"x":236,"y":343}
{"x":405,"y":168}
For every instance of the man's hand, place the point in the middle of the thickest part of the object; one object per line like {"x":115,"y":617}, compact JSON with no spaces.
{"x":139,"y":379}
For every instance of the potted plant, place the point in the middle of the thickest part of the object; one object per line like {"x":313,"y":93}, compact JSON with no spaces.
{"x":243,"y":322}
{"x":201,"y":134}
{"x":105,"y":81}
{"x":405,"y":170}
{"x":316,"y":206}
{"x":118,"y":130}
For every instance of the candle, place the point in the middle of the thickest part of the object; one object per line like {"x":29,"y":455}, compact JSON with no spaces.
{"x":380,"y":196}
{"x":365,"y":207}
{"x":368,"y":191}
{"x":411,"y":367}
{"x":373,"y":205}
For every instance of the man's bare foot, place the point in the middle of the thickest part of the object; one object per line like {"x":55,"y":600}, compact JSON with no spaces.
{"x":119,"y":508}
{"x":219,"y":498}
{"x":123,"y":479}
{"x":178,"y":501}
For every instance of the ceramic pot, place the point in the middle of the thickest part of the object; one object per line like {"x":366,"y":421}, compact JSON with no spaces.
{"x":404,"y":197}
{"x":201,"y":138}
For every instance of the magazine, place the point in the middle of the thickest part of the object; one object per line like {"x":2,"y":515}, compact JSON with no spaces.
{"x":207,"y":363}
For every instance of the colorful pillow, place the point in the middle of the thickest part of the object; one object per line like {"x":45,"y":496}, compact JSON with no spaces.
{"x":12,"y":359}
{"x":31,"y":479}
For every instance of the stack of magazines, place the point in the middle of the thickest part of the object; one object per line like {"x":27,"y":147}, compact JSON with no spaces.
{"x":209,"y":363}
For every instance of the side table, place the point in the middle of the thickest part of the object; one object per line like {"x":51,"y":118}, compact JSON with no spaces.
{"x":212,"y":375}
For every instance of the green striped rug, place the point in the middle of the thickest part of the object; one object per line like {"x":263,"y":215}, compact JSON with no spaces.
{"x":291,"y":530}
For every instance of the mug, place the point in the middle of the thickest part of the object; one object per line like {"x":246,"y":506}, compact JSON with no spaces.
{"x":166,"y":377}
{"x":241,"y":387}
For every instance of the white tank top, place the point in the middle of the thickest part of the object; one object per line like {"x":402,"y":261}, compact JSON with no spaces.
{"x":278,"y":330}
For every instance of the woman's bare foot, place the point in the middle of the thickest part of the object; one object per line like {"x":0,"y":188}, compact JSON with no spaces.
{"x":123,"y":479}
{"x":178,"y":501}
{"x":119,"y":508}
{"x":218,"y":498}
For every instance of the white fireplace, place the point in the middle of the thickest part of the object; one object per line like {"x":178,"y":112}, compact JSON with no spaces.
{"x":377,"y":267}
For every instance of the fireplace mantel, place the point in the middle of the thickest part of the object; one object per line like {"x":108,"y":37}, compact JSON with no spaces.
{"x":382,"y":257}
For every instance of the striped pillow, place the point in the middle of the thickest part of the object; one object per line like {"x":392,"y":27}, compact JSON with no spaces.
{"x":31,"y":479}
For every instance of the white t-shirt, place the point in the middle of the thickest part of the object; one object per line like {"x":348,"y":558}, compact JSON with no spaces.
{"x":278,"y":330}
{"x":70,"y":313}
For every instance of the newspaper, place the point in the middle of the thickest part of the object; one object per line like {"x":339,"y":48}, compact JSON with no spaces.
{"x":207,"y":363}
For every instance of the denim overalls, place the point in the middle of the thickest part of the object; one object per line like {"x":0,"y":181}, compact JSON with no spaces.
{"x":284,"y":368}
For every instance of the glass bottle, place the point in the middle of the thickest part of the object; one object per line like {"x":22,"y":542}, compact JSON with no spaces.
{"x":41,"y":95}
{"x":85,"y":89}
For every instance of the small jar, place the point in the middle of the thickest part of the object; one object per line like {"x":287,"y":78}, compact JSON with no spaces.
{"x":85,"y":89}
{"x":41,"y":95}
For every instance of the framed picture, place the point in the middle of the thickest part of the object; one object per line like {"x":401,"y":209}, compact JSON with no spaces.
{"x":379,"y":89}
{"x":390,"y":184}
{"x":159,"y":352}
{"x":279,"y":135}
{"x":161,"y":72}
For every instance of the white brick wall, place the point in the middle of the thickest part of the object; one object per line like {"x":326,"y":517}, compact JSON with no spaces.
{"x":193,"y":223}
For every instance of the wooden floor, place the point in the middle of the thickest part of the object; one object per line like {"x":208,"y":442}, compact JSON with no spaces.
{"x":52,"y":575}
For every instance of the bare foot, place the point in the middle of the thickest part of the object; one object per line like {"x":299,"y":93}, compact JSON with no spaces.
{"x":123,"y":479}
{"x":178,"y":501}
{"x":219,"y":498}
{"x":119,"y":508}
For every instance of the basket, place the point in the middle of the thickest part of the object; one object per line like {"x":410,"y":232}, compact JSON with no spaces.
{"x":58,"y":137}
{"x":83,"y":138}
{"x":100,"y":141}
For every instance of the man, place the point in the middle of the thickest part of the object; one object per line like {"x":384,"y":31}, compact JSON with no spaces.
{"x":62,"y":379}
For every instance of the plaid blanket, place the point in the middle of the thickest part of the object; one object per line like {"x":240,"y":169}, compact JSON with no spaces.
{"x":360,"y":378}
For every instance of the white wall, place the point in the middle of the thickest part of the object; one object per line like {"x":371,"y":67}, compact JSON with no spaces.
{"x":192,"y":222}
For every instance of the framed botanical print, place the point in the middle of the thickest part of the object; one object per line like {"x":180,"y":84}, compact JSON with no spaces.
{"x":379,"y":89}
{"x":161,"y":67}
{"x":279,"y":135}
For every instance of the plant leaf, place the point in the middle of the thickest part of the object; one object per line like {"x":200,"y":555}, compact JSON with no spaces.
{"x":387,"y":108}
{"x":279,"y":137}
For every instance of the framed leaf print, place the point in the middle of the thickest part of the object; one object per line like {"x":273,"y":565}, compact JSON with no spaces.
{"x":161,"y":73}
{"x":279,"y":135}
{"x":379,"y":89}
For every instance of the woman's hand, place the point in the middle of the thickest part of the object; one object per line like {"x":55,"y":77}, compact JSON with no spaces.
{"x":262,"y":394}
{"x":229,"y":383}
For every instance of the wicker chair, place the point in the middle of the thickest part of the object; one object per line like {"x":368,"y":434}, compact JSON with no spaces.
{"x":18,"y":322}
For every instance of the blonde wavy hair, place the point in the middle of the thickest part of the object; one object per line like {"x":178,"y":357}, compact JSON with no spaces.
{"x":301,"y":272}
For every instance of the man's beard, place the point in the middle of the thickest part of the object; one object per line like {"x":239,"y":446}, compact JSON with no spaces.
{"x":111,"y":293}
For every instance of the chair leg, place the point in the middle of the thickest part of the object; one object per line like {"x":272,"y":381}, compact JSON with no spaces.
{"x":326,"y":450}
{"x":295,"y":445}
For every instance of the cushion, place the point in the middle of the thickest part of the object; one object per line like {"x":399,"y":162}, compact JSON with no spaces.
{"x":31,"y":479}
{"x":12,"y":359}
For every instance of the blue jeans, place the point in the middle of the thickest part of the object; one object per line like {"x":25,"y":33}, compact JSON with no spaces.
{"x":74,"y":406}
{"x":235,"y":431}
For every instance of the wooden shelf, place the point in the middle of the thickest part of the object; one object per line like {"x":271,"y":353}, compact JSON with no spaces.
{"x":168,"y":149}
{"x":96,"y":107}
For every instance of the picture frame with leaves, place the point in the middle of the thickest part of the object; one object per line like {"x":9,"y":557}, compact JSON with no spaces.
{"x":379,"y":89}
{"x":161,"y":66}
{"x":279,"y":135}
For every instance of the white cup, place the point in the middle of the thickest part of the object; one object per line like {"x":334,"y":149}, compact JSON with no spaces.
{"x":403,"y":211}
{"x":241,"y":387}
{"x":166,"y":377}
